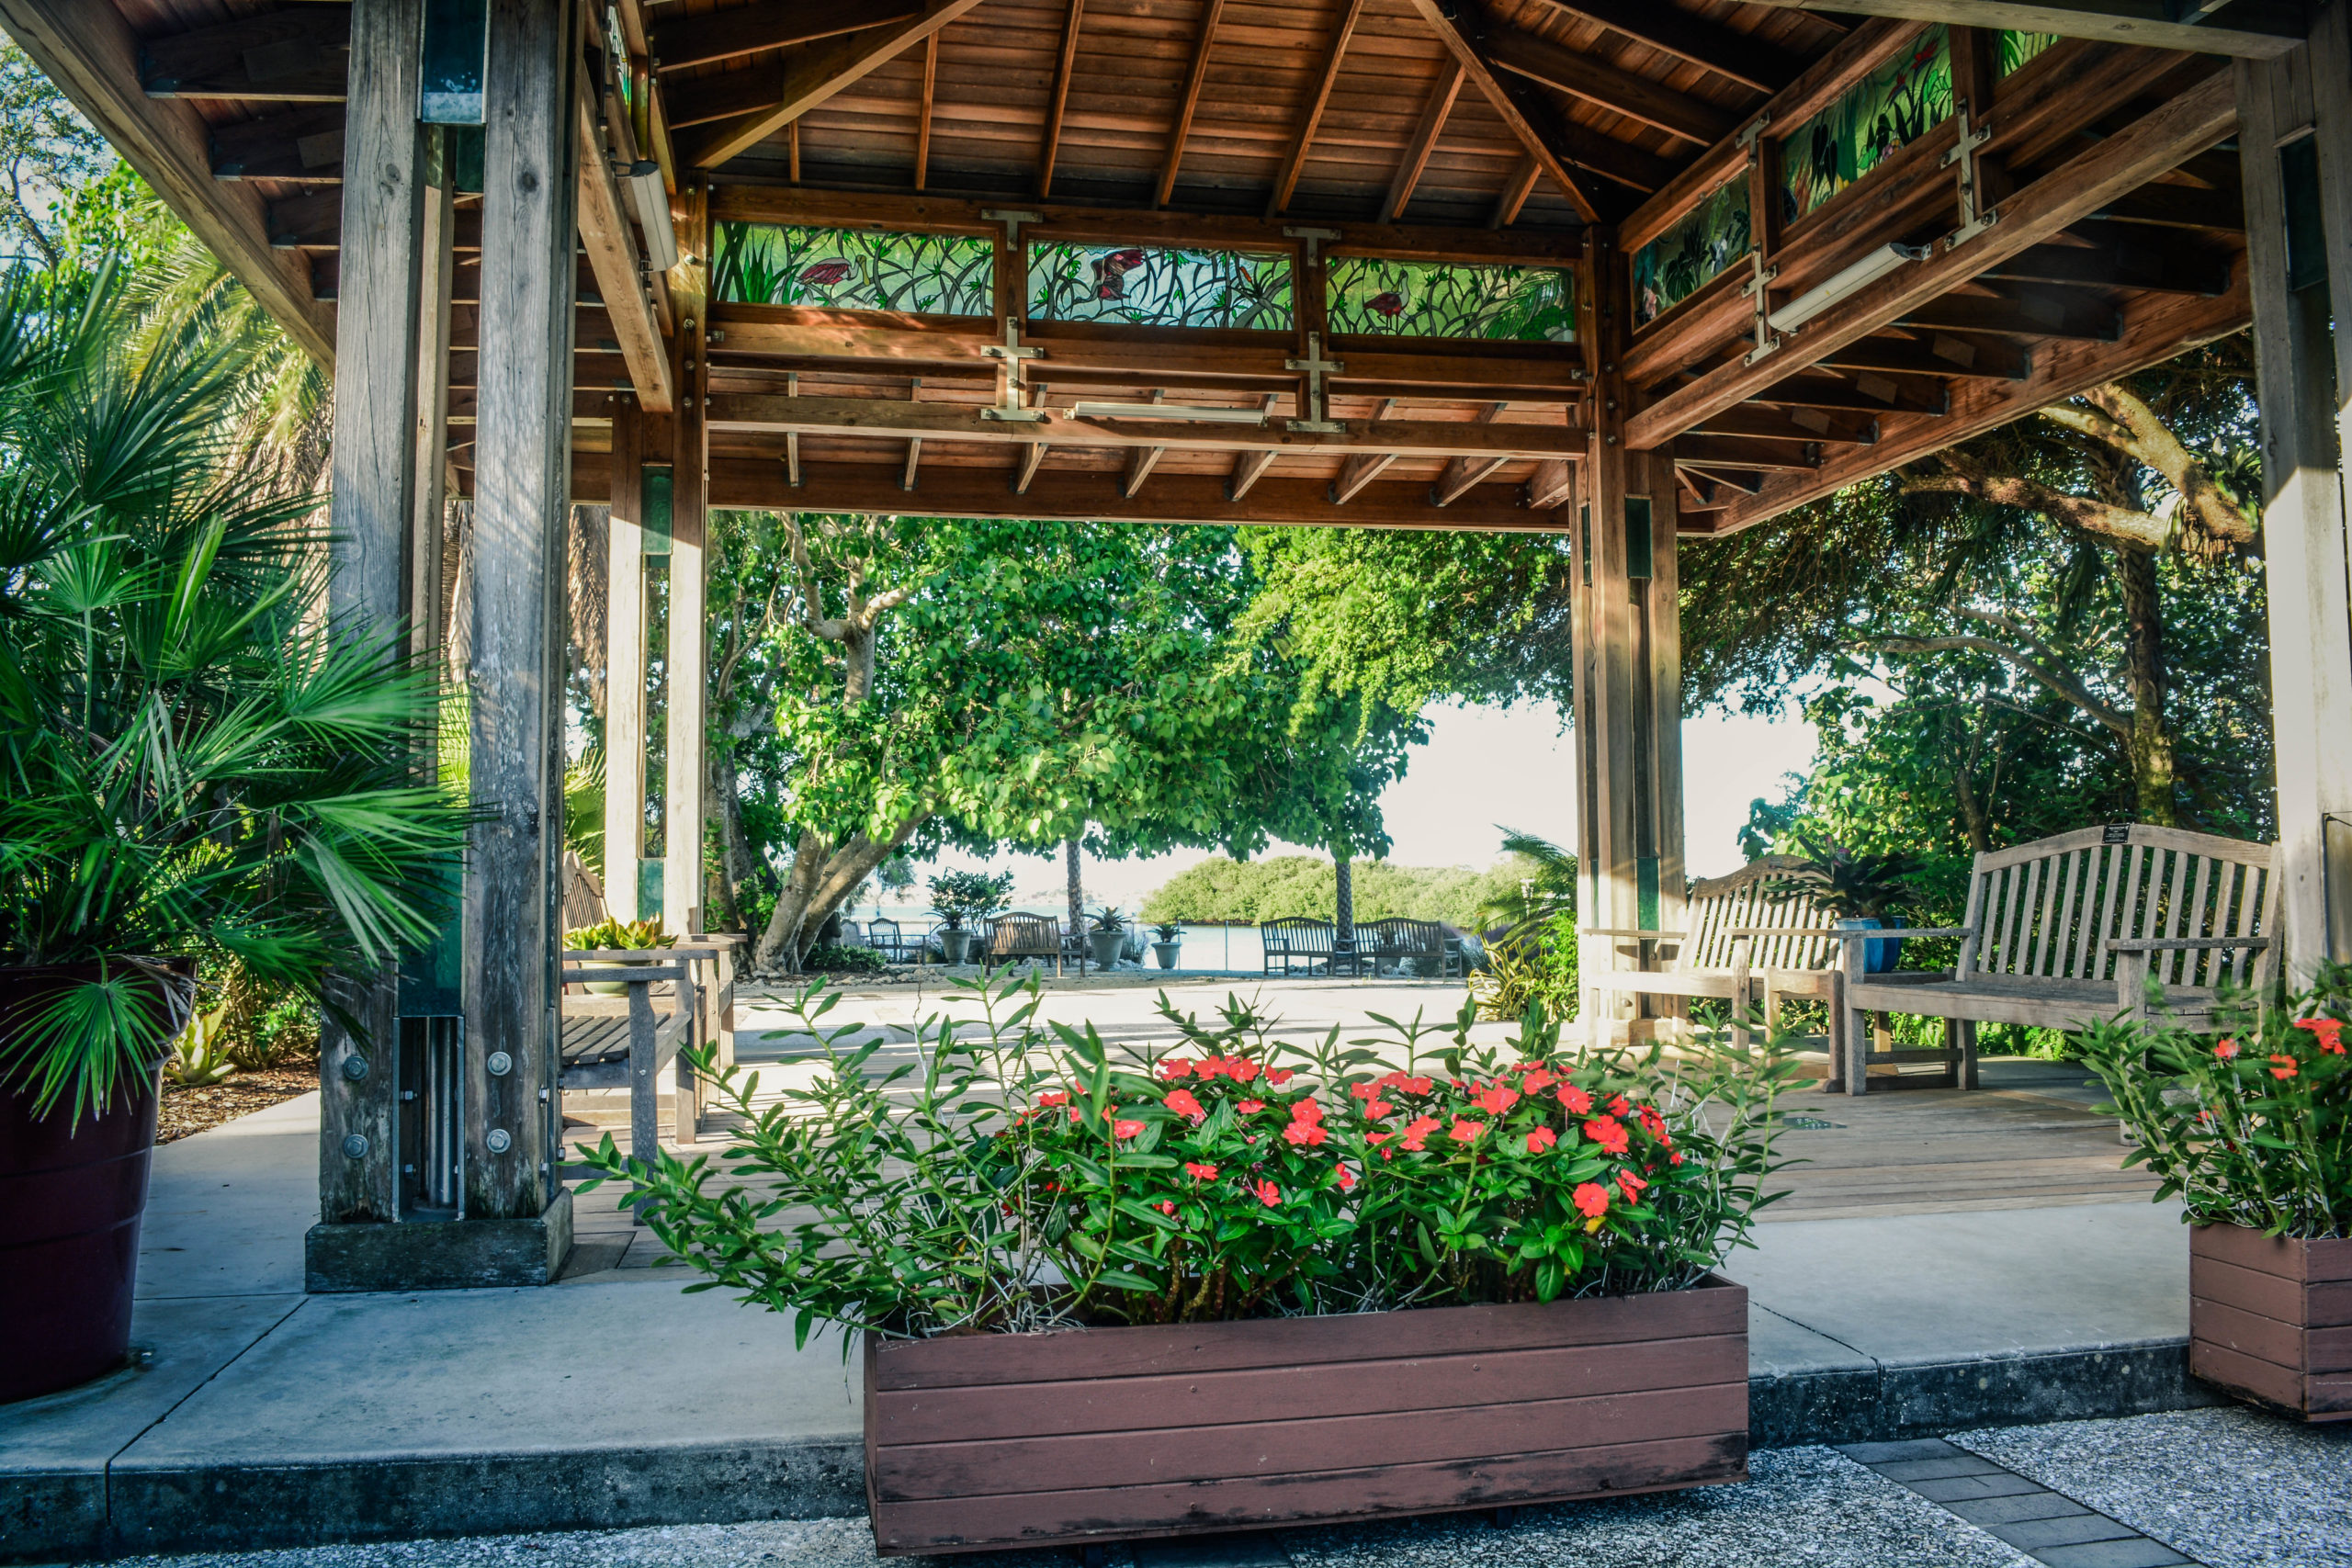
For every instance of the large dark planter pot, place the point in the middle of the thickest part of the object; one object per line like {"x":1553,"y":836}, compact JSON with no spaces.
{"x":71,"y":1196}
{"x":2271,"y":1318}
{"x":1107,"y":946}
{"x":983,"y":1441}
{"x":956,"y":946}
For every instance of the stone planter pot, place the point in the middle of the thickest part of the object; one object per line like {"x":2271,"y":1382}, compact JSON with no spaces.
{"x":984,"y":1441}
{"x":71,"y":1198}
{"x":1166,"y":952}
{"x":1106,"y":946}
{"x":2270,"y":1319}
{"x":956,"y":946}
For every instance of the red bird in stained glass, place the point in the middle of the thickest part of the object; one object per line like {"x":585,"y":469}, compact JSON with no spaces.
{"x":1111,"y":271}
{"x":1391,"y":304}
{"x":824,"y":274}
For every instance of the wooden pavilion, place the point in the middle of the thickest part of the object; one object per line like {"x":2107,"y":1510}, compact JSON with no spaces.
{"x":1628,"y":272}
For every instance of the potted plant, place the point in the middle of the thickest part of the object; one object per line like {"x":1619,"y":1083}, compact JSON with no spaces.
{"x":1861,"y":892}
{"x":194,"y":765}
{"x":1168,"y":939}
{"x":960,"y":896}
{"x":610,"y":935}
{"x":1091,"y":1275}
{"x":2249,"y":1127}
{"x":1107,"y":935}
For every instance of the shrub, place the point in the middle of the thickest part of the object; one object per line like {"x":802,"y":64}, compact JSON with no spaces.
{"x":1010,"y":1179}
{"x":1222,"y":889}
{"x":958,"y":896}
{"x":1534,"y":964}
{"x":2250,"y":1125}
{"x":836,"y":959}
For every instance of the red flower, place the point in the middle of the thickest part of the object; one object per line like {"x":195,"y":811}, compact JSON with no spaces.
{"x":1574,"y":1099}
{"x":1182,"y":1102}
{"x":1200,"y":1172}
{"x":1632,"y":1184}
{"x":1592,"y":1200}
{"x":1305,"y":1133}
{"x":824,"y":274}
{"x":1240,"y":1069}
{"x":1347,"y":1177}
{"x":1655,"y":1125}
{"x":1248,"y":1106}
{"x":1465,"y":1131}
{"x":2287,"y":1069}
{"x":1495,"y":1101}
{"x":1377,"y":1139}
{"x":1053,"y":1099}
{"x":1610,"y":1135}
{"x":1166,"y":1208}
{"x":1279,"y":1076}
{"x":1676,"y":1160}
{"x":1306,"y":1111}
{"x":1377,"y":1108}
{"x":1419,"y":1129}
{"x":1125,"y":1129}
{"x":1618,"y":1108}
{"x":1536,"y":1079}
{"x":1175,"y":1068}
{"x":2226,"y":1049}
{"x":2330,"y":1031}
{"x":1268,"y":1194}
{"x":1541,"y":1139}
{"x":1391,"y":304}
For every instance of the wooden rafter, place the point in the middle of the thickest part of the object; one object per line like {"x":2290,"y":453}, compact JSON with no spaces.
{"x":1364,"y":466}
{"x":1551,"y":485}
{"x":1026,"y":470}
{"x":296,"y":55}
{"x":811,"y":74}
{"x":773,"y":24}
{"x":611,"y":245}
{"x":1750,"y":62}
{"x":1514,"y":194}
{"x":1468,"y":470}
{"x":1058,"y":104}
{"x":2247,"y":28}
{"x":301,"y":145}
{"x":1211,"y":12}
{"x":1303,"y":138}
{"x":922,"y":121}
{"x":1621,"y":92}
{"x":1434,"y":108}
{"x":1249,"y":467}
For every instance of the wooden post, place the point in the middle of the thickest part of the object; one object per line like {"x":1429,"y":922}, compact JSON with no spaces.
{"x":625,"y":665}
{"x":430,"y":499}
{"x":524,"y":451}
{"x":373,"y":512}
{"x":681,"y":799}
{"x":2295,"y":142}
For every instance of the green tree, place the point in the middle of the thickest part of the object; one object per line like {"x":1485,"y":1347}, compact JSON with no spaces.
{"x":48,"y":154}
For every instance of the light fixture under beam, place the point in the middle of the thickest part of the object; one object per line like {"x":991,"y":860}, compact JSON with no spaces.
{"x":652,"y":202}
{"x":1168,"y":412}
{"x":1843,"y":284}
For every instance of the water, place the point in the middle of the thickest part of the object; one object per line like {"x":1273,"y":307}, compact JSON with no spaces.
{"x":1208,"y":950}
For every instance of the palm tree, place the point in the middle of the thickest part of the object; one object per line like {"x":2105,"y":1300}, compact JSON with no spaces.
{"x":1548,"y":888}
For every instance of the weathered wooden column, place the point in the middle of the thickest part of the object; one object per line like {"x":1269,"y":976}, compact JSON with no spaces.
{"x":624,"y":664}
{"x":522,"y":479}
{"x":374,"y":477}
{"x":681,"y":800}
{"x":2295,"y":145}
{"x":1628,"y":671}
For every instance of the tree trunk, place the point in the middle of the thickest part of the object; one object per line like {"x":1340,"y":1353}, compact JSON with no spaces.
{"x":1343,"y":874}
{"x":823,"y":876}
{"x":735,"y":862}
{"x":1975,"y":816}
{"x":1077,"y":892}
{"x":2153,"y":772}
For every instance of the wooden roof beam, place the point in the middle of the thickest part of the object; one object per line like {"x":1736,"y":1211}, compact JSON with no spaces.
{"x":1514,"y":194}
{"x":930,"y":100}
{"x":1434,"y":108}
{"x":1189,"y":105}
{"x":681,"y":41}
{"x":1249,"y":467}
{"x":1364,"y":466}
{"x":1751,"y":62}
{"x":1529,"y":119}
{"x":811,"y":75}
{"x":1303,"y":138}
{"x":2188,"y":122}
{"x":1947,"y":354}
{"x":2254,"y":29}
{"x":1621,"y":92}
{"x":1058,"y":102}
{"x":299,"y":54}
{"x":2022,"y":311}
{"x":1873,"y":393}
{"x":613,"y":254}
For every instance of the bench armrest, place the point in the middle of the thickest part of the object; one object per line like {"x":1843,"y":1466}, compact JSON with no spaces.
{"x":1902,"y":933}
{"x":2183,"y":944}
{"x":1622,"y":932}
{"x":1785,"y":930}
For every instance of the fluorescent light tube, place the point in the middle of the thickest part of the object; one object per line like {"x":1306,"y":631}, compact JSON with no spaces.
{"x":644,"y":182}
{"x":1847,"y":282}
{"x":1168,"y":411}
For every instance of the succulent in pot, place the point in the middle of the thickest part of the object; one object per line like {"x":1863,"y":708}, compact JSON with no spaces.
{"x":194,"y":764}
{"x":1107,"y":935}
{"x":1861,"y":892}
{"x":610,"y":935}
{"x":1167,"y":939}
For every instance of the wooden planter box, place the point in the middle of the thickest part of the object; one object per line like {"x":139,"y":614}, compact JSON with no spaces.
{"x":985,"y":1441}
{"x":2271,"y":1318}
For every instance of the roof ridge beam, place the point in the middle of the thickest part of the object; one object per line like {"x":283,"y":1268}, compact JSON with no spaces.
{"x":681,"y":41}
{"x":2251,"y":29}
{"x":1751,"y":62}
{"x":1619,"y":91}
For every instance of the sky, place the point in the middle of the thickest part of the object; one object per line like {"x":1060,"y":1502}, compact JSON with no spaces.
{"x":1484,"y":766}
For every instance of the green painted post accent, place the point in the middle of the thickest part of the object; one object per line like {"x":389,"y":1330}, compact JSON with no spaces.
{"x":1637,"y":538}
{"x":1646,"y":885}
{"x":657,"y":524}
{"x":2306,"y":241}
{"x":465,"y":152}
{"x":456,"y":57}
{"x":1584,"y":540}
{"x":649,"y":889}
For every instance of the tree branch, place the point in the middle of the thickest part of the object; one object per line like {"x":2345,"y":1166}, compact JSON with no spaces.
{"x":2063,"y":685}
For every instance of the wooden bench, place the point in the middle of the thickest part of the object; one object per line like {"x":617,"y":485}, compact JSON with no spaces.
{"x":1399,"y":941}
{"x":1296,"y":937}
{"x":1009,"y":939}
{"x":1740,"y":933}
{"x":2066,"y":932}
{"x":623,"y":1042}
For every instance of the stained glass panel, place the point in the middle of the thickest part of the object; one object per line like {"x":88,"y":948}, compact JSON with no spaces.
{"x":1402,"y":298}
{"x":1890,"y":109}
{"x":1153,"y":285}
{"x":1703,"y":241}
{"x":767,"y":264}
{"x":2017,"y":48}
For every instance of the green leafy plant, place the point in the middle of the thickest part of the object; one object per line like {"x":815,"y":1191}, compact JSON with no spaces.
{"x":199,"y":1054}
{"x":960,"y":896}
{"x":1852,"y":884}
{"x":191,"y":762}
{"x":836,"y":959}
{"x":1533,"y":965}
{"x":1167,"y":931}
{"x":1105,"y":921}
{"x":2249,"y":1125}
{"x":610,"y":935}
{"x":1012,"y":1178}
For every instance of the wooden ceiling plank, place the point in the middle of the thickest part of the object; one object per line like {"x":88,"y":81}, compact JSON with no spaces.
{"x":299,"y":54}
{"x":2189,"y":122}
{"x":2248,"y":28}
{"x":712,"y":36}
{"x":2026,"y":312}
{"x":1303,"y":138}
{"x":611,"y":244}
{"x":1189,"y":105}
{"x":1869,"y":394}
{"x":1058,"y":104}
{"x":1751,"y":62}
{"x":93,"y":57}
{"x":1434,"y":108}
{"x":811,"y":74}
{"x":1613,"y":88}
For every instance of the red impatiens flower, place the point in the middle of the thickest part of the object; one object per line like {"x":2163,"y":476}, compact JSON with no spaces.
{"x":1465,"y":1131}
{"x":1655,"y":1124}
{"x":2226,"y":1049}
{"x":1592,"y":1200}
{"x":1166,"y":1208}
{"x":2329,"y":1031}
{"x":1306,"y":1133}
{"x":1182,"y":1102}
{"x":1609,"y":1134}
{"x":1053,"y":1098}
{"x":1125,"y":1129}
{"x":1676,"y":1159}
{"x":1240,"y":1069}
{"x":1536,"y":1078}
{"x":1268,"y":1194}
{"x":2286,"y":1068}
{"x":1175,"y":1068}
{"x":1418,"y":1130}
{"x":1541,"y":1139}
{"x":1200,"y":1172}
{"x":1574,"y":1099}
{"x":1347,"y":1177}
{"x":1279,"y":1076}
{"x":1248,"y":1106}
{"x":1495,"y":1100}
{"x":1377,"y":1139}
{"x":1632,"y":1184}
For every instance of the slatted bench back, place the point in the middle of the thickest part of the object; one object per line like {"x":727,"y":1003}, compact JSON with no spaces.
{"x":1746,"y":900}
{"x":2047,"y":910}
{"x":1025,"y":936}
{"x":1297,"y":935}
{"x":1399,"y":937}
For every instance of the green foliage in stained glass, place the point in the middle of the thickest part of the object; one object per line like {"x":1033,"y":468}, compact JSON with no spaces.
{"x":1401,"y":299}
{"x":1890,"y":109}
{"x":935,"y":275}
{"x":1153,"y":285}
{"x":1703,"y":241}
{"x":2017,"y":48}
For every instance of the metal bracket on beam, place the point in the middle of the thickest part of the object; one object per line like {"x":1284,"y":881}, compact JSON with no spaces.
{"x":1974,"y":221}
{"x":1758,"y":289}
{"x":1753,"y":132}
{"x":1317,"y":420}
{"x":1012,"y":379}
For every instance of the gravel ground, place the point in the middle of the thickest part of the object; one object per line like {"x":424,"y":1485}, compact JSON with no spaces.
{"x":1805,"y":1507}
{"x":2233,"y":1488}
